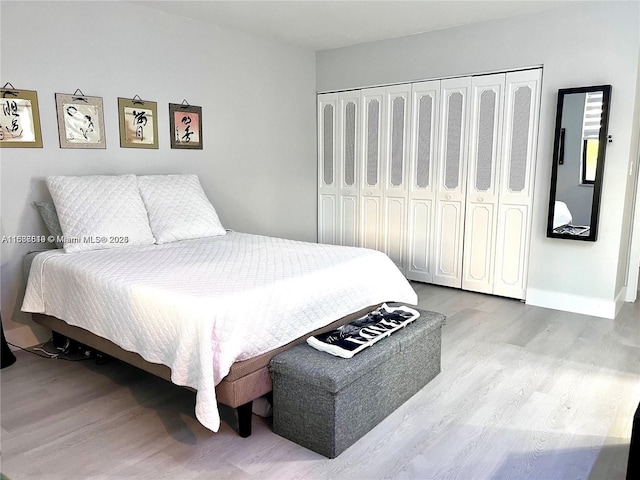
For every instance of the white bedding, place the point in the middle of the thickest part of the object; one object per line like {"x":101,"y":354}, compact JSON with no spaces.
{"x":198,"y":306}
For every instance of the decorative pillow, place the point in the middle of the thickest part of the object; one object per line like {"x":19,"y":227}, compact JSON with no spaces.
{"x":49,"y":216}
{"x":100,"y":211}
{"x":178,"y":208}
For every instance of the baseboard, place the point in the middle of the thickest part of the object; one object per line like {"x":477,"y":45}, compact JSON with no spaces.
{"x":596,"y":307}
{"x":621,"y":298}
{"x":631,"y":292}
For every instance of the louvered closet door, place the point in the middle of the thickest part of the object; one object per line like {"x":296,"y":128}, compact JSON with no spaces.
{"x":516,"y":182}
{"x":485,"y":136}
{"x":451,"y":185}
{"x":348,"y":163}
{"x":397,"y":118}
{"x":373,"y":148}
{"x":327,"y":173}
{"x":425,"y":99}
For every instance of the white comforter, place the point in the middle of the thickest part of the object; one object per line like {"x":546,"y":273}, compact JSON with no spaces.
{"x":198,"y":306}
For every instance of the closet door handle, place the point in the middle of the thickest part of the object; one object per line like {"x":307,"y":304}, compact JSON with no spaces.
{"x":448,"y":197}
{"x":480,"y":199}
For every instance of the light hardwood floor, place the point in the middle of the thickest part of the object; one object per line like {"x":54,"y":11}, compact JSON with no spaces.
{"x":524,"y":392}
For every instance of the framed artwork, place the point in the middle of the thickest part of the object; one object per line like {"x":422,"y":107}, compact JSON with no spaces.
{"x":185,"y":123}
{"x":138,"y":123}
{"x":80,"y":121}
{"x":19,"y":118}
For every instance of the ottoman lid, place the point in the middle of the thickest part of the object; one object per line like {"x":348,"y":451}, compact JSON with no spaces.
{"x":332,"y":373}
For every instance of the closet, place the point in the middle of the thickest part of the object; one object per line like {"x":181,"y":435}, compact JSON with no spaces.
{"x":437,"y":174}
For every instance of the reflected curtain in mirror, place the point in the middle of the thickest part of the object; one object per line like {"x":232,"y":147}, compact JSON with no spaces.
{"x":578,"y":162}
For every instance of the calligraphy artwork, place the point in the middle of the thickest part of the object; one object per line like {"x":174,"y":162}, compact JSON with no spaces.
{"x":19,"y":119}
{"x":185,"y":123}
{"x":80,"y":121}
{"x":138,"y":123}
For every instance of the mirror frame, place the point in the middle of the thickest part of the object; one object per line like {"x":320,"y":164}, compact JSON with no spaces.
{"x":558,"y":147}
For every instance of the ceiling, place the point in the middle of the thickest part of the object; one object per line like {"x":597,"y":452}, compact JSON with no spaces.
{"x":323,"y":25}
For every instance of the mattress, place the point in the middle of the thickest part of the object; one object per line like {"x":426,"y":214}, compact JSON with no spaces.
{"x":200,"y":305}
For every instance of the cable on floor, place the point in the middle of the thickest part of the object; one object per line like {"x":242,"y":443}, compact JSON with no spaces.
{"x":63,"y":355}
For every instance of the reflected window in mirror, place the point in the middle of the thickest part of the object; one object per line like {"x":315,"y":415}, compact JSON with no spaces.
{"x":592,"y":119}
{"x":578,"y":162}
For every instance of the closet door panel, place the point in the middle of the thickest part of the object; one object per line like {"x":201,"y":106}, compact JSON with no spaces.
{"x":511,"y":268}
{"x":328,"y":231}
{"x":397,"y":100}
{"x":448,"y":243}
{"x":348,"y":220}
{"x":371,"y":183}
{"x":516,"y":182}
{"x":425,"y":99}
{"x":349,"y":166}
{"x":451,"y":184}
{"x":420,"y":234}
{"x":395,"y":226}
{"x":395,"y":160}
{"x":327,"y":169}
{"x":371,"y":222}
{"x":485,"y":135}
{"x":478,"y":246}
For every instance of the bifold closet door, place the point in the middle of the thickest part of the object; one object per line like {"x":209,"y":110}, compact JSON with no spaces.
{"x":451,"y":184}
{"x":396,"y":131}
{"x":438,"y":175}
{"x":327,"y":176}
{"x":425,"y":102}
{"x":338,"y":160}
{"x":481,"y":210}
{"x":522,"y":102}
{"x":373,"y":148}
{"x":349,"y":167}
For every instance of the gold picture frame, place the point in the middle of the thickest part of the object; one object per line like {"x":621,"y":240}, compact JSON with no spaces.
{"x":19,"y":119}
{"x":138,"y":123}
{"x":80,"y":121}
{"x":185,"y":125}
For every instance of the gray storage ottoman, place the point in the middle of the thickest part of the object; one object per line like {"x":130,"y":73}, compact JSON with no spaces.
{"x":326,"y":403}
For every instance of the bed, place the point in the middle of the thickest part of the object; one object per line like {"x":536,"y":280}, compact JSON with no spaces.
{"x":205,"y":312}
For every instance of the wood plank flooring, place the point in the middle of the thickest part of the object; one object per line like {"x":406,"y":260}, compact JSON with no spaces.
{"x":524,"y":393}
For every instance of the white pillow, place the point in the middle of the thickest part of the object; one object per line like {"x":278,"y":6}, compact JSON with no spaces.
{"x":100,"y":211}
{"x":178,"y":208}
{"x":561,"y":215}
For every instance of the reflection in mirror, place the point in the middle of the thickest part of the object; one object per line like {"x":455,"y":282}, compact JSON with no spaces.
{"x":578,"y":166}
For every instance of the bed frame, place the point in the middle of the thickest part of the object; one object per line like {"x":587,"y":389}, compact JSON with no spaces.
{"x":246,"y":381}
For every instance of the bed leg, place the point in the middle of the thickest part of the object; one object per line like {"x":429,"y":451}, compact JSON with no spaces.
{"x":245,"y":413}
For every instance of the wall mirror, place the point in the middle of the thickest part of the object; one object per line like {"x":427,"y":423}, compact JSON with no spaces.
{"x":578,"y":162}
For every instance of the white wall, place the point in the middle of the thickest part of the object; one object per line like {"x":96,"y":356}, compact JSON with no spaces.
{"x":258,"y":164}
{"x":631,"y":219}
{"x":592,"y":44}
